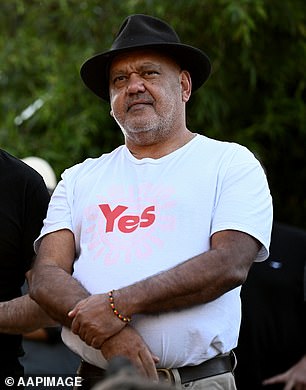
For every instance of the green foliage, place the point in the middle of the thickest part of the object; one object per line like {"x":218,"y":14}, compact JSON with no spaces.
{"x":255,"y":95}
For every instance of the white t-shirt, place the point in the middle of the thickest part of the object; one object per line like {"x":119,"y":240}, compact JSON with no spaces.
{"x":134,"y":218}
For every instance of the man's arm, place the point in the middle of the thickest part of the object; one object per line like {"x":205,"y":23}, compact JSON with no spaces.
{"x":53,"y":287}
{"x":294,"y":378}
{"x":22,"y":315}
{"x":58,"y":292}
{"x":201,"y":279}
{"x":51,"y":283}
{"x":196,"y":281}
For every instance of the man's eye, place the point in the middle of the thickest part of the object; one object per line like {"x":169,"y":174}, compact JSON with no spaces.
{"x":117,"y":79}
{"x":150,"y":73}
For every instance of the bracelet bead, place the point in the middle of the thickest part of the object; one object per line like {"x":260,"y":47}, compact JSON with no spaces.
{"x":115,"y":311}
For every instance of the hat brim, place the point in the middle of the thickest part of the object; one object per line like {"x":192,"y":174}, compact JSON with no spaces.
{"x":94,"y":71}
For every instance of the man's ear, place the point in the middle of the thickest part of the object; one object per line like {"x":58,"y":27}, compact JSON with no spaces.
{"x":186,"y":85}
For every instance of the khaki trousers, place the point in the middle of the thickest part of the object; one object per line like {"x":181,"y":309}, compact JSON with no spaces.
{"x":219,"y":382}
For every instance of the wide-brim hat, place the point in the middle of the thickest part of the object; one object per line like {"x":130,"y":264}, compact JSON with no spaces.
{"x":145,"y":32}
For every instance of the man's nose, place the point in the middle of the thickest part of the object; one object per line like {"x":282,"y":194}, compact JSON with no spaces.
{"x":135,"y":83}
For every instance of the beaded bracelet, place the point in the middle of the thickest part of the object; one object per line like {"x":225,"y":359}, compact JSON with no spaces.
{"x":115,"y":311}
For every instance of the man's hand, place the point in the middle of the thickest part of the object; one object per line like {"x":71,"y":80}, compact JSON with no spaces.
{"x":128,"y":343}
{"x":94,"y":321}
{"x":294,"y":378}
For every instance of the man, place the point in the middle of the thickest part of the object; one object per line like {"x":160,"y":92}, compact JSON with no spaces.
{"x":24,"y":200}
{"x":272,"y":340}
{"x":158,"y":234}
{"x":45,"y":352}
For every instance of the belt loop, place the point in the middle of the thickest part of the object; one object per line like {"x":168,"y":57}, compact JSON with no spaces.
{"x":234,"y":360}
{"x":176,"y":378}
{"x":165,"y":375}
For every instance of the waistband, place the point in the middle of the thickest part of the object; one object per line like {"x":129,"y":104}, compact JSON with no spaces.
{"x":218,"y":365}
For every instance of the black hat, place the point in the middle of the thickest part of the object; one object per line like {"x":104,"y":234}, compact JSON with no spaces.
{"x":140,"y":32}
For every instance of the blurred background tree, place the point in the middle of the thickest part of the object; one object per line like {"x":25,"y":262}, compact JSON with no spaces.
{"x":255,"y":95}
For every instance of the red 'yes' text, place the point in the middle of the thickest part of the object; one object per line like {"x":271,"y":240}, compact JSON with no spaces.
{"x":126,"y":223}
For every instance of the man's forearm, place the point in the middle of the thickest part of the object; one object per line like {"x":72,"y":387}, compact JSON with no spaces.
{"x":22,"y":315}
{"x":167,"y":291}
{"x":196,"y":281}
{"x":66,"y":291}
{"x":199,"y":280}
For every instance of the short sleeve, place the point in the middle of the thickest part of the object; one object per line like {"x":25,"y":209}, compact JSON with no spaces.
{"x":244,"y":201}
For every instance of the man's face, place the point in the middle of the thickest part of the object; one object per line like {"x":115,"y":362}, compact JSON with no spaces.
{"x":146,"y":95}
